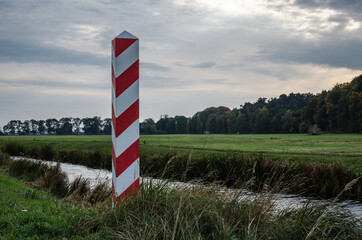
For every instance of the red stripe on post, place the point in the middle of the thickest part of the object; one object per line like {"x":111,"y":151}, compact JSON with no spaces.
{"x":123,"y":121}
{"x":126,"y":79}
{"x":131,"y":190}
{"x":127,"y":158}
{"x":121,"y":44}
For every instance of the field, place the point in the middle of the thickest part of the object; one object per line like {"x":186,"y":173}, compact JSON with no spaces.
{"x":327,"y":148}
{"x":160,"y":213}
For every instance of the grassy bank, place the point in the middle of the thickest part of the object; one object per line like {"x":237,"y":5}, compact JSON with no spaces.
{"x":26,"y":213}
{"x":326,"y":148}
{"x":159,"y":213}
{"x":232,"y":169}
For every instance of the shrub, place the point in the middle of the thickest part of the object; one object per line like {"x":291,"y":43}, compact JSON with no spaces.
{"x":27,"y":170}
{"x":4,"y":159}
{"x":56,"y":181}
{"x":14,"y":149}
{"x":99,"y":193}
{"x":46,"y":152}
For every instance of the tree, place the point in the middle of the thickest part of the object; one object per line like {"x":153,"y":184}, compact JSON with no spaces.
{"x":12,"y":127}
{"x":274,"y":125}
{"x":199,"y":125}
{"x":243,"y":123}
{"x":65,"y":126}
{"x":41,"y":127}
{"x":107,"y":126}
{"x":52,"y":125}
{"x":25,"y":127}
{"x":262,"y":121}
{"x":171,"y":126}
{"x":286,"y":121}
{"x":161,"y":124}
{"x":148,"y":126}
{"x":211,"y":124}
{"x":76,"y":125}
{"x":91,"y":126}
{"x":34,"y":127}
{"x":232,"y":122}
{"x":181,"y":123}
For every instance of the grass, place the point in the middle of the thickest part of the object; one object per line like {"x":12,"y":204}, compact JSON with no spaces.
{"x":26,"y":213}
{"x":326,"y":148}
{"x":156,"y":212}
{"x":229,"y":167}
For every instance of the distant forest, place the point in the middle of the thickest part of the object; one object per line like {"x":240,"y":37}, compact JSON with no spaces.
{"x":338,"y":110}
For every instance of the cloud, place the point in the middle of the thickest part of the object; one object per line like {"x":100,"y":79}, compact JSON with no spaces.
{"x":154,"y":67}
{"x":189,"y":51}
{"x":198,"y":65}
{"x":24,"y":52}
{"x":343,"y":53}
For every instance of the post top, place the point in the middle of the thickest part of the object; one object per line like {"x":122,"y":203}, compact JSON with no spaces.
{"x":126,"y":34}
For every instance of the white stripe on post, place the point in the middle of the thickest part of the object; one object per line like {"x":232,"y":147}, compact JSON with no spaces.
{"x":125,"y":116}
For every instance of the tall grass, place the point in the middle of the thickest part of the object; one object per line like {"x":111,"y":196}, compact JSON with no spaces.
{"x":228,"y":168}
{"x":53,"y":180}
{"x":157,"y":212}
{"x":255,"y":173}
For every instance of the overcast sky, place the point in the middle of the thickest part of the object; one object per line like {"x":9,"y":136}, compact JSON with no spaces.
{"x":55,"y":55}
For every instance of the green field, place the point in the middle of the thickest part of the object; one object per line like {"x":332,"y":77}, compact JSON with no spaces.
{"x":328,"y":148}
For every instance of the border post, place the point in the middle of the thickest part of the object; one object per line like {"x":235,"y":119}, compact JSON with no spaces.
{"x":125,"y":116}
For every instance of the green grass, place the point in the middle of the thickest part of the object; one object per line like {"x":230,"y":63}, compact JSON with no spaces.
{"x":26,"y":213}
{"x":158,"y":213}
{"x":326,"y":148}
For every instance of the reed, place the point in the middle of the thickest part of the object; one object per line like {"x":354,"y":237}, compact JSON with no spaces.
{"x":158,"y":212}
{"x":228,"y":168}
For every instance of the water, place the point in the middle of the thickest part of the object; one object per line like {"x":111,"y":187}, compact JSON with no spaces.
{"x":280,"y":201}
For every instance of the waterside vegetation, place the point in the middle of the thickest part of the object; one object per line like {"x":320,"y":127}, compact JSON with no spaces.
{"x":229,"y":168}
{"x":155,"y":212}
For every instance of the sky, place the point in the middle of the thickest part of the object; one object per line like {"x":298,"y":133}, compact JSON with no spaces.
{"x":55,"y":55}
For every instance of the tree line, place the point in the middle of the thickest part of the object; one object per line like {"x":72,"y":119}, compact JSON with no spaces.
{"x":338,"y":110}
{"x":63,"y":126}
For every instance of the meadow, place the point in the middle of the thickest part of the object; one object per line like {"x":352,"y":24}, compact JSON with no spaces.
{"x":326,"y":148}
{"x":317,"y":166}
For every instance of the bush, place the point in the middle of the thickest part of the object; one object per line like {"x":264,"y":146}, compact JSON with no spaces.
{"x":56,"y":181}
{"x":27,"y":170}
{"x":4,"y":159}
{"x":46,"y":152}
{"x":14,"y":149}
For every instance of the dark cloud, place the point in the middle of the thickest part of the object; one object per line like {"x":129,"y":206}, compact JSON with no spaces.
{"x":24,"y":51}
{"x":351,"y":7}
{"x":355,"y":5}
{"x":342,"y":53}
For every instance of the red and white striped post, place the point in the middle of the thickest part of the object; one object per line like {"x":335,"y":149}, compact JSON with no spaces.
{"x":125,"y":116}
